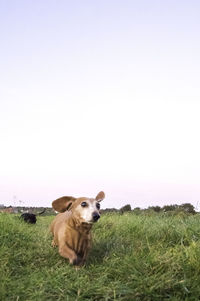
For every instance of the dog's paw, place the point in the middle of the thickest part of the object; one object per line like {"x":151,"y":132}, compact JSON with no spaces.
{"x":78,"y":261}
{"x":53,"y":244}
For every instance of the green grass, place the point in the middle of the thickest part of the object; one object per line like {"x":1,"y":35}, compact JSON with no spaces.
{"x":134,"y":257}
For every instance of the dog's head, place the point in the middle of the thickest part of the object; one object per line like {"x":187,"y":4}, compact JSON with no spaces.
{"x":86,"y":210}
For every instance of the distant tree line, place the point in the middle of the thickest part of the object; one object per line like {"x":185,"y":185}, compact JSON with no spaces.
{"x":185,"y":208}
{"x":23,"y":209}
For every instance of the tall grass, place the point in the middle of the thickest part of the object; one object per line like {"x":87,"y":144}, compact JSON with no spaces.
{"x":134,"y":257}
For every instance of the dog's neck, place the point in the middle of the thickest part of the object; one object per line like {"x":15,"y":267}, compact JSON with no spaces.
{"x":83,"y":228}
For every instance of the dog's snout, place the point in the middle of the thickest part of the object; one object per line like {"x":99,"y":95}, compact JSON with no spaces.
{"x":95,"y":216}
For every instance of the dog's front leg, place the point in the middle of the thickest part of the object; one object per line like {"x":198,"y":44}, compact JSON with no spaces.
{"x":68,"y":253}
{"x":85,"y":253}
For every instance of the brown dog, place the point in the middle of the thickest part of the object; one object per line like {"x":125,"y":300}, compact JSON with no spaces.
{"x":71,"y":229}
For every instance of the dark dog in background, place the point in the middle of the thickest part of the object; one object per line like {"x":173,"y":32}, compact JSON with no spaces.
{"x":31,"y":217}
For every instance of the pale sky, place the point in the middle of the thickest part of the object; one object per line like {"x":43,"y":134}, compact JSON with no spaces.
{"x":100,"y":95}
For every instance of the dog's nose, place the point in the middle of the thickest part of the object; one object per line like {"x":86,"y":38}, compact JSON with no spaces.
{"x":95,"y":216}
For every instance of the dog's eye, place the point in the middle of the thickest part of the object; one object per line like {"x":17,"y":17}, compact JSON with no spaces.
{"x":98,"y":206}
{"x":83,"y":204}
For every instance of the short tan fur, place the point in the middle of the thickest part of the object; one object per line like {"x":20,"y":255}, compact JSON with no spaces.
{"x":71,"y":228}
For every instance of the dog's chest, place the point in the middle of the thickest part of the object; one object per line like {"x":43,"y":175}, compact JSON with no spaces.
{"x":79,"y":242}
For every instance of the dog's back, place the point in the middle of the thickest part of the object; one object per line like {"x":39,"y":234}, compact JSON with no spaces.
{"x":59,"y":225}
{"x":29,"y":218}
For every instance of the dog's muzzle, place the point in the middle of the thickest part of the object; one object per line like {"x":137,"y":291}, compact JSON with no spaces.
{"x":95,"y":216}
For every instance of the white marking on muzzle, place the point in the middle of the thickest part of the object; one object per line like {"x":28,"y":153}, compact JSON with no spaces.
{"x":87,"y":212}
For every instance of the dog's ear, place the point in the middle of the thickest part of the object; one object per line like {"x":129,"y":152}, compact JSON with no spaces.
{"x":63,"y":204}
{"x":100,"y":196}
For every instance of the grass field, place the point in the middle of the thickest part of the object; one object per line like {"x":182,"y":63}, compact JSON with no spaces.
{"x":134,"y":257}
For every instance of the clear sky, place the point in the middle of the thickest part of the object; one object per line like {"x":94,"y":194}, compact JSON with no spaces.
{"x":100,"y":95}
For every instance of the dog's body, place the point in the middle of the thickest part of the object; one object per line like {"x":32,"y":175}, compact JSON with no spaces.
{"x":31,"y":217}
{"x":72,"y":228}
